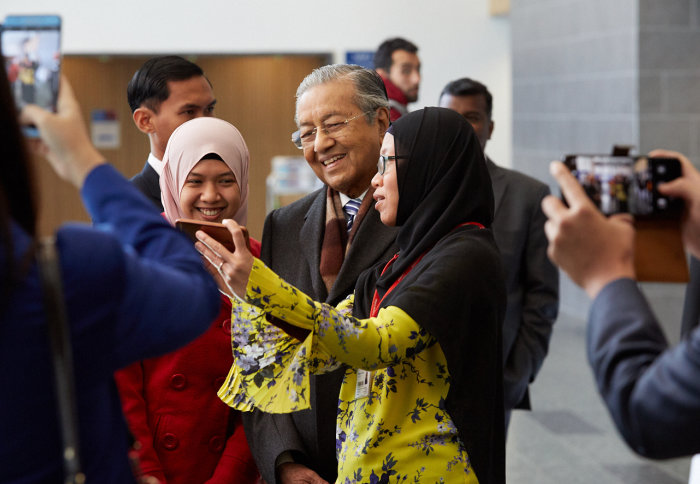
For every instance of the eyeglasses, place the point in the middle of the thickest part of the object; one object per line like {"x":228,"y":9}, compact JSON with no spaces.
{"x":381,"y":164}
{"x":305,"y":138}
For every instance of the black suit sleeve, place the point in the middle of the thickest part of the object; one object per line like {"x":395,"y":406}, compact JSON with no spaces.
{"x":540,"y":293}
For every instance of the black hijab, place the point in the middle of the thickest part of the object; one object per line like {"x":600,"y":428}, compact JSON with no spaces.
{"x":457,"y":291}
{"x":443,"y":182}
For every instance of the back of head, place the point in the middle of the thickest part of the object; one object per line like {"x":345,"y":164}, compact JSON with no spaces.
{"x":370,"y":93}
{"x":149,"y":85}
{"x":17,"y":197}
{"x":382,"y":57}
{"x":469,"y":87}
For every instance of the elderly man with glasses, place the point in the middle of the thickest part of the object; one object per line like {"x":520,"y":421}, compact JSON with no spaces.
{"x":321,"y":244}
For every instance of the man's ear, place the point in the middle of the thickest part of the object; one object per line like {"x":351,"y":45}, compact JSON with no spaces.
{"x":382,"y":121}
{"x":382,"y":72}
{"x":143,"y":119}
{"x":491,"y":125}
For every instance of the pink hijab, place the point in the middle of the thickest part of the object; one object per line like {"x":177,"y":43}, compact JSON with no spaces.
{"x":191,"y":142}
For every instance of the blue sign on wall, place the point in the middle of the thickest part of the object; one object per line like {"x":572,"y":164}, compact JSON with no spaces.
{"x":364,"y":58}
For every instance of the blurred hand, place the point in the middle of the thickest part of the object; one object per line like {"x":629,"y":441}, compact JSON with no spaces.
{"x":230,"y":269}
{"x":686,"y":187}
{"x":293,"y":473}
{"x":592,"y":249}
{"x":63,"y":138}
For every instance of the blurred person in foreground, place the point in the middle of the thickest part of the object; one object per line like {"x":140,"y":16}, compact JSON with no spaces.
{"x":133,"y":287}
{"x":651,"y":390}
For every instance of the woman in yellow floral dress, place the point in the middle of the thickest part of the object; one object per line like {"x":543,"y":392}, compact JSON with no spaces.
{"x":421,"y":399}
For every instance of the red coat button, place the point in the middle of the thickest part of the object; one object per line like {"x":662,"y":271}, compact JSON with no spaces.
{"x":170,"y":441}
{"x":216,"y":444}
{"x":226,"y":326}
{"x":178,"y":381}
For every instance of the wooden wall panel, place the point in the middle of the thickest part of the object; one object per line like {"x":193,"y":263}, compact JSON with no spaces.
{"x":255,"y":93}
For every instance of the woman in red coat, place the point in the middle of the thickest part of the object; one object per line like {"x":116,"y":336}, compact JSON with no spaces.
{"x":186,"y":434}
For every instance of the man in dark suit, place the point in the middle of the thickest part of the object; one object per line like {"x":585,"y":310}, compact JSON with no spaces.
{"x":342,"y":114}
{"x":164,"y":93}
{"x":518,"y":227}
{"x":652,"y":391}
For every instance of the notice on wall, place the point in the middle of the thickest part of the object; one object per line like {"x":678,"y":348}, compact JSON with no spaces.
{"x":104,"y":129}
{"x":364,"y":58}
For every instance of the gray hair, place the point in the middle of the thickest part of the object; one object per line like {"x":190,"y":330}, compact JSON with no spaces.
{"x":370,"y":93}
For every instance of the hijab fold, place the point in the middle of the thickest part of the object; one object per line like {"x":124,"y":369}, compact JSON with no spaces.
{"x":187,"y":146}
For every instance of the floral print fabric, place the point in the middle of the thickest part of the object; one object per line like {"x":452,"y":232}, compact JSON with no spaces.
{"x":394,"y":429}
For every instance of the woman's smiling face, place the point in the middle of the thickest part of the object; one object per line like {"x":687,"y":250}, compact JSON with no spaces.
{"x":211,"y":192}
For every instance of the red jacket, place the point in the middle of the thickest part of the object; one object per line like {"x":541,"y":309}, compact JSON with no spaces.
{"x":398,"y":104}
{"x":186,"y":433}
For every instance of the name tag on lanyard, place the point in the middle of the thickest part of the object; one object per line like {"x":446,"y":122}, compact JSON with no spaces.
{"x":363,"y":387}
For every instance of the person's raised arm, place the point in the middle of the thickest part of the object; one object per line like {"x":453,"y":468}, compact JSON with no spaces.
{"x":64,"y":140}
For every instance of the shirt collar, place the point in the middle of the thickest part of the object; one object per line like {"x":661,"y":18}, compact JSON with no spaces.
{"x":344,"y":198}
{"x":155,"y":163}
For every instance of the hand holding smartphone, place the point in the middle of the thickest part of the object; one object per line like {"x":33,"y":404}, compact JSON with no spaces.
{"x":31,"y":50}
{"x":217,"y":231}
{"x":629,"y":184}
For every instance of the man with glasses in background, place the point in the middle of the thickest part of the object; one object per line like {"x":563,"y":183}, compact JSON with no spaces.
{"x":321,"y":244}
{"x":518,"y":227}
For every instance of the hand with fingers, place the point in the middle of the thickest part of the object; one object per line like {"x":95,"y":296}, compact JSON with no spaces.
{"x":687,"y":187}
{"x":294,"y":473}
{"x":592,"y":249}
{"x":230,"y":269}
{"x":63,"y":137}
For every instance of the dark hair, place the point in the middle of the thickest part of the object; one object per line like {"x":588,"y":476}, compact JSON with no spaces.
{"x":469,"y":87}
{"x":382,"y":58}
{"x":17,"y":195}
{"x":149,"y":86}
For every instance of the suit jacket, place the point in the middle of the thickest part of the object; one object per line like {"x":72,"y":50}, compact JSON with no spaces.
{"x":148,"y":182}
{"x":291,"y":246}
{"x":651,"y":391}
{"x":532,"y":281}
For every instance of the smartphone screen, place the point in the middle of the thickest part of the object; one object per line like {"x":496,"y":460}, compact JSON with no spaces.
{"x":627,"y":184}
{"x":31,"y":50}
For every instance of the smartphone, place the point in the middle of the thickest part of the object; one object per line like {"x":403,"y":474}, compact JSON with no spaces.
{"x":31,"y":51}
{"x":627,"y":184}
{"x":217,"y":231}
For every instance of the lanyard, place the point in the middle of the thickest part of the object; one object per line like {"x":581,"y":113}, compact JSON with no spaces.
{"x":376,"y":301}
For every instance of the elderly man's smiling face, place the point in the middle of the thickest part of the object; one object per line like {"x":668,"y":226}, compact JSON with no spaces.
{"x":346,"y":158}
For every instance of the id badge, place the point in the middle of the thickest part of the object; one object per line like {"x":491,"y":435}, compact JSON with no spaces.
{"x":363,"y":387}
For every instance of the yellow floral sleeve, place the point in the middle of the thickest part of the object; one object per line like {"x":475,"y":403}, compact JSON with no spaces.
{"x":271,"y":369}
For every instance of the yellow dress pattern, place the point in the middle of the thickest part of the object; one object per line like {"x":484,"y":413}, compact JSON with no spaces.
{"x":392,"y":429}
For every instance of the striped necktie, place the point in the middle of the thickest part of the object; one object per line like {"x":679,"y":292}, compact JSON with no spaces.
{"x":350,"y":210}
